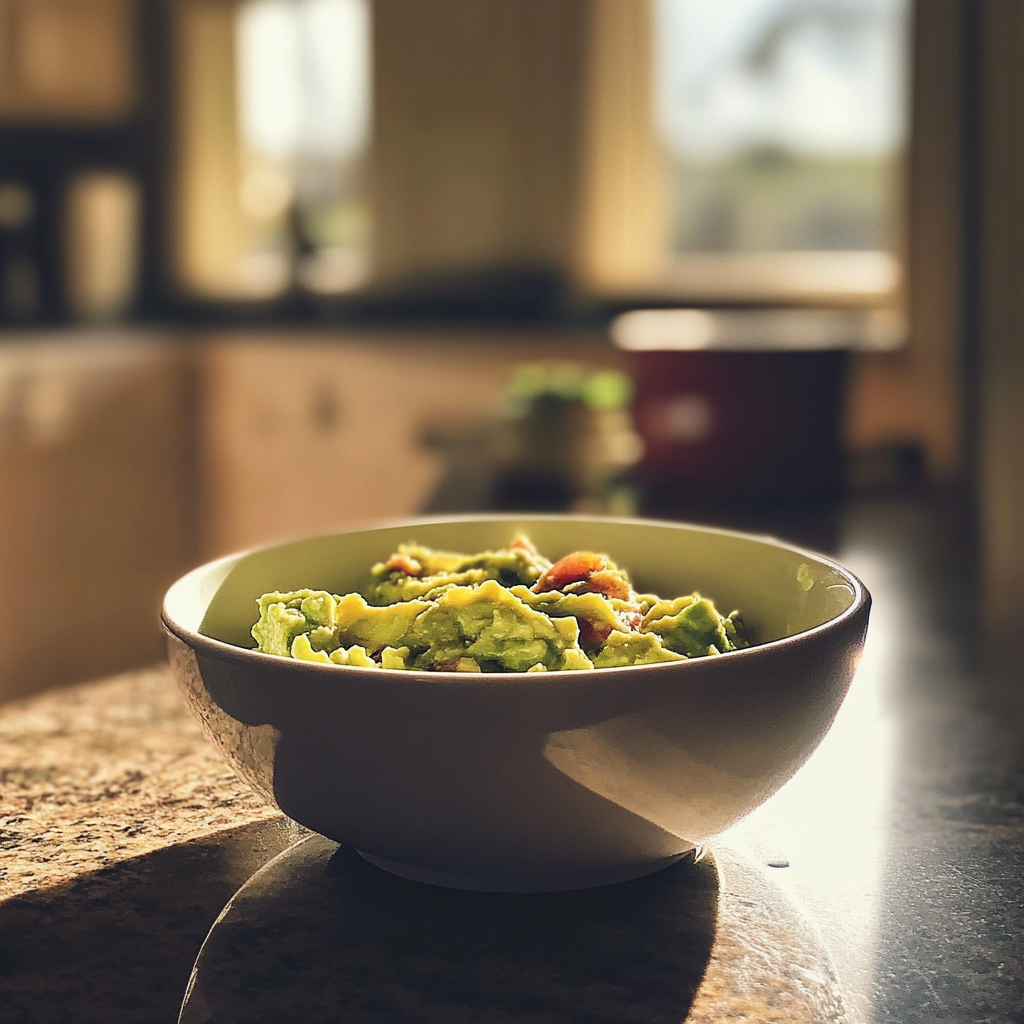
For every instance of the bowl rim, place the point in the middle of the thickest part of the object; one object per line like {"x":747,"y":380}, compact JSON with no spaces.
{"x":222,"y":650}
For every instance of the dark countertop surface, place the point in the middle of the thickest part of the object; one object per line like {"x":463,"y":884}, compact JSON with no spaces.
{"x":884,"y":883}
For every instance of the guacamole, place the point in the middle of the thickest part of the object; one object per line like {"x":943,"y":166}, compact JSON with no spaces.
{"x":511,"y":610}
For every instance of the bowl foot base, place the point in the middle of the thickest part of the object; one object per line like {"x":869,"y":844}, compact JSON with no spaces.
{"x":584,"y":879}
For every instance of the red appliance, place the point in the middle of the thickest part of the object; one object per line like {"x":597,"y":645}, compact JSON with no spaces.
{"x":727,"y":422}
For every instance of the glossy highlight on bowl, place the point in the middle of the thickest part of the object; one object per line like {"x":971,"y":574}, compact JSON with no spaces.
{"x":525,"y":782}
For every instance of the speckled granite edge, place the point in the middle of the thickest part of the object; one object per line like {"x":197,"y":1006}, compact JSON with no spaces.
{"x":103,"y":772}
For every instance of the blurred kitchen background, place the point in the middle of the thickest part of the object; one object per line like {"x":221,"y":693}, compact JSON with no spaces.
{"x":270,"y":267}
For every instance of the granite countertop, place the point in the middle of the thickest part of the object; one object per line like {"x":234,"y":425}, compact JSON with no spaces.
{"x":884,"y":883}
{"x":96,"y":775}
{"x":124,"y":835}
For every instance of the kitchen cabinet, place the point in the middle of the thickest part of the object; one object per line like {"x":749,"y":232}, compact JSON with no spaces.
{"x":126,"y":459}
{"x":95,"y":504}
{"x":310,"y":434}
{"x":67,"y":60}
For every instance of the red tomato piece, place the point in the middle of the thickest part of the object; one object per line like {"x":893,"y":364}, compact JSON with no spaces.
{"x":592,"y":634}
{"x":403,"y":563}
{"x":607,"y":583}
{"x":574,"y":568}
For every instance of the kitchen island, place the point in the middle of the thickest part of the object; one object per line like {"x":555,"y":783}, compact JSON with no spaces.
{"x":883,"y":883}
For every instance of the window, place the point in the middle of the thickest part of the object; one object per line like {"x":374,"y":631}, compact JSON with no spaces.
{"x":304,"y":107}
{"x":747,"y":150}
{"x":783,"y":124}
{"x":274,"y":99}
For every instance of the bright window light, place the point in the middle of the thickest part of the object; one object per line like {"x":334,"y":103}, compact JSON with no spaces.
{"x":304,"y":124}
{"x":783,"y":121}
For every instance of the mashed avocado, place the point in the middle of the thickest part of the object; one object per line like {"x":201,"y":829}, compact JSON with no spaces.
{"x":498,"y":611}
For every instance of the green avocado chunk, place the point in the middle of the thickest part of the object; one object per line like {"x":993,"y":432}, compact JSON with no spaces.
{"x":283,"y":617}
{"x":489,"y":624}
{"x":372,"y":627}
{"x":623,"y":649}
{"x":692,"y":630}
{"x":592,"y":607}
{"x":518,"y":564}
{"x":444,"y":611}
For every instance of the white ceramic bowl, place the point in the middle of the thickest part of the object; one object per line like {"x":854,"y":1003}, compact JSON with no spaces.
{"x":534,"y":781}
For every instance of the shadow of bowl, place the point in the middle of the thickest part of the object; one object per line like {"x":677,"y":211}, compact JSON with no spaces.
{"x":320,"y":935}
